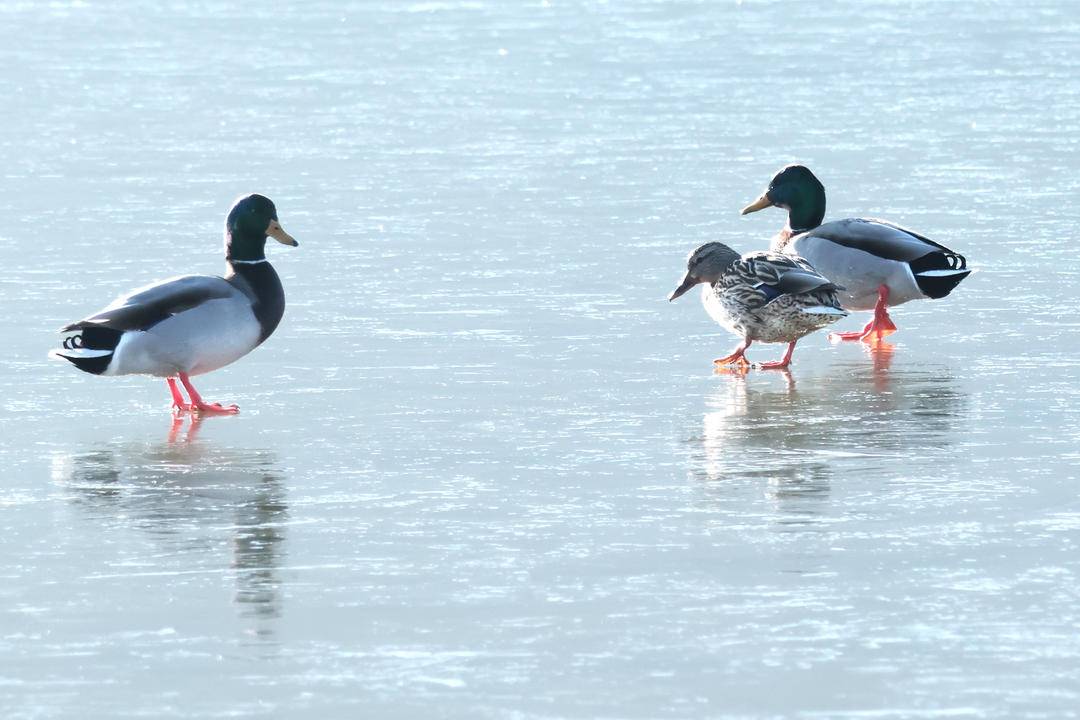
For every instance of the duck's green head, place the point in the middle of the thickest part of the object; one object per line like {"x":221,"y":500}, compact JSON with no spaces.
{"x":705,"y":265}
{"x":252,"y":219}
{"x":796,"y":190}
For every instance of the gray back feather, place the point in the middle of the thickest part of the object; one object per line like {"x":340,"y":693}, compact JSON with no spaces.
{"x":877,"y":237}
{"x":147,"y":306}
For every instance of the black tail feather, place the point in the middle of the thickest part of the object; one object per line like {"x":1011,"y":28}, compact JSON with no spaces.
{"x":946,"y":269}
{"x":94,"y":337}
{"x":89,"y":337}
{"x":940,"y":286}
{"x":93,"y":365}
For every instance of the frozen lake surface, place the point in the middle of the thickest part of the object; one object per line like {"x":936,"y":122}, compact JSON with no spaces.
{"x":484,"y":469}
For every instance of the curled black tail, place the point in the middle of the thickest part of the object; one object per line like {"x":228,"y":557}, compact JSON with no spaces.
{"x":90,"y":349}
{"x":938,"y":272}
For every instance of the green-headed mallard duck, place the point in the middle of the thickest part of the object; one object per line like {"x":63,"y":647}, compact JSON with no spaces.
{"x":192,"y":324}
{"x":762,"y":296}
{"x":878,"y":263}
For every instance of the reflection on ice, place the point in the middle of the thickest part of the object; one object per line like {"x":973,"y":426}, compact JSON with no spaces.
{"x":789,"y":437}
{"x":753,"y":436}
{"x":190,"y":496}
{"x":881,"y":355}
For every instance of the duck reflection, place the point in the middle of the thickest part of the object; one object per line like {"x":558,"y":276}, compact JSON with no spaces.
{"x":752,"y":437}
{"x":881,"y":355}
{"x":791,"y":438}
{"x":190,"y":495}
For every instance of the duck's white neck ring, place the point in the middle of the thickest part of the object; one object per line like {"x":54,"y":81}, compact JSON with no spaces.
{"x":248,"y":262}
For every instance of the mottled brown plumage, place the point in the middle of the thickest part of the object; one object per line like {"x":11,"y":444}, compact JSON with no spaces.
{"x":761,"y":296}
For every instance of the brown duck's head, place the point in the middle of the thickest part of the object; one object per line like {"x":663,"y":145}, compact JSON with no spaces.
{"x":705,"y":265}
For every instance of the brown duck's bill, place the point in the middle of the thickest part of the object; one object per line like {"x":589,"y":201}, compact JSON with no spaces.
{"x":275,"y":231}
{"x":688,"y":282}
{"x":760,"y":204}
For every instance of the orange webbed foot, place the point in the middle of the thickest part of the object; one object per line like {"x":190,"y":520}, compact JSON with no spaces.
{"x":877,"y":329}
{"x":215,"y":408}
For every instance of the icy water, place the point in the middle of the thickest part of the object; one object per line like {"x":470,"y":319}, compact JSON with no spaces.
{"x":484,"y":469}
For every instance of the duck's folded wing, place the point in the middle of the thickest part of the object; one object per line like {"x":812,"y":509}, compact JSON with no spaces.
{"x":147,"y":306}
{"x":883,"y":239}
{"x":775,"y":275}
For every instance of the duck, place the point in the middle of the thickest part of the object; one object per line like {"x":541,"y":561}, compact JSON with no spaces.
{"x":191,"y":324}
{"x":879,"y":263}
{"x":762,"y":297}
